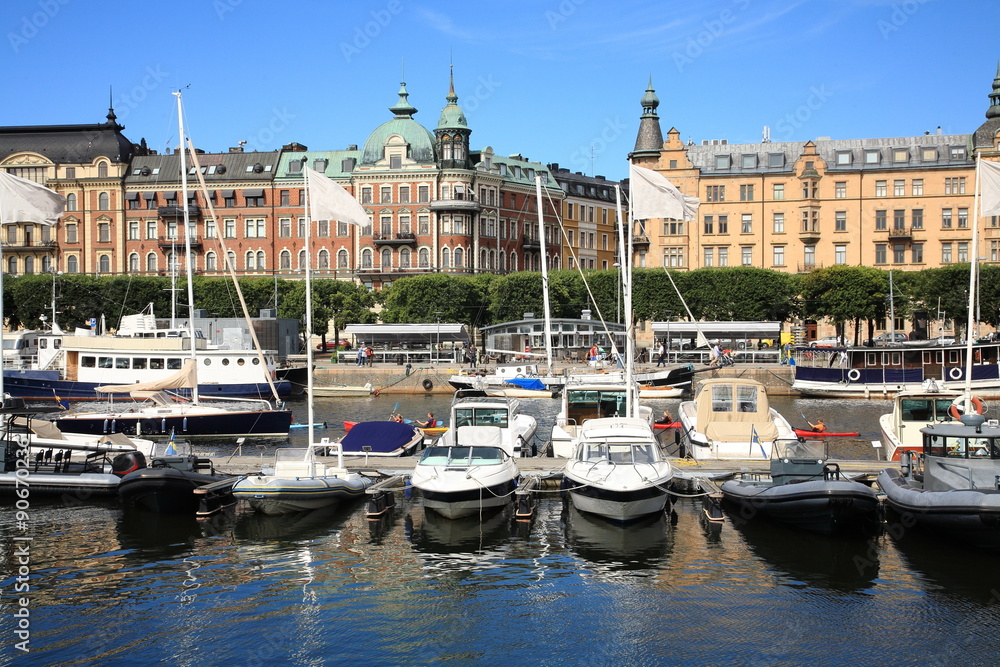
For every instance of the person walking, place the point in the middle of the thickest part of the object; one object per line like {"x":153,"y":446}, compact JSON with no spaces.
{"x":371,"y":356}
{"x":361,"y":355}
{"x":662,"y":356}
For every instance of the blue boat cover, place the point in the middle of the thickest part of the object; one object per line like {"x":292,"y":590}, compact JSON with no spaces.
{"x":527,"y":383}
{"x":384,"y":436}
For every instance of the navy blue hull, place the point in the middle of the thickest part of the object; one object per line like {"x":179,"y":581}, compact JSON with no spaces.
{"x":43,"y":385}
{"x":236,"y":423}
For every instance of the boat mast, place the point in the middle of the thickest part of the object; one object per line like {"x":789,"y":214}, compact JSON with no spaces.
{"x":892,"y":311}
{"x":309,"y":312}
{"x":973,"y":281}
{"x":631,"y":402}
{"x":187,"y":241}
{"x":545,"y":275}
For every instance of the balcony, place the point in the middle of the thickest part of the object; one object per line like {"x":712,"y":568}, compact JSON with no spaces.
{"x":399,"y":239}
{"x":177,"y":212}
{"x":529,"y":243}
{"x":900,"y":233}
{"x":29,"y":245}
{"x":168,"y":242}
{"x":457,"y":203}
{"x":640,"y":241}
{"x":392,"y":272}
{"x":806,"y":268}
{"x":809,"y":234}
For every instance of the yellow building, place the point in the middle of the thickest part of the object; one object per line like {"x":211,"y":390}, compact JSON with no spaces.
{"x":895,"y":203}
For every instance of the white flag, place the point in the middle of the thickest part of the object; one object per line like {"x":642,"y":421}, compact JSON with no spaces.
{"x":653,"y":196}
{"x":330,"y":201}
{"x":989,"y":188}
{"x":22,"y":200}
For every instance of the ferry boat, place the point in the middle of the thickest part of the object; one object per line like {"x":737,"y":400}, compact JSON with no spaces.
{"x":864,"y":372}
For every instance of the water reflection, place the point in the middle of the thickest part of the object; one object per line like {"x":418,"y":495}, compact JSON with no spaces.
{"x":433,"y":533}
{"x":163,"y":535}
{"x":297,"y":527}
{"x":809,"y":559}
{"x":948,"y":568}
{"x":638,"y":545}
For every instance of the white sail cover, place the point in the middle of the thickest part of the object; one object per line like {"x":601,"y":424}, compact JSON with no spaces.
{"x":653,"y":196}
{"x":329,"y":201}
{"x":186,"y":378}
{"x":22,"y":200}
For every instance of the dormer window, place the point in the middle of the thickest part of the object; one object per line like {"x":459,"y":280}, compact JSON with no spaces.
{"x":844,"y":158}
{"x":723,"y":161}
{"x":748,"y":161}
{"x":872,"y":157}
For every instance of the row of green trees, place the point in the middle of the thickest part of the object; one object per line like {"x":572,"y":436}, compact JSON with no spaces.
{"x":854,"y":295}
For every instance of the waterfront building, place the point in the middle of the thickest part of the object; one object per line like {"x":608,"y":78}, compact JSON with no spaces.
{"x":588,"y":220}
{"x":903,"y":203}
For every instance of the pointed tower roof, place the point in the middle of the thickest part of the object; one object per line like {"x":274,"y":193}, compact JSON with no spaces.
{"x":403,"y":108}
{"x":452,"y":116}
{"x":984,"y":137}
{"x":649,"y":140}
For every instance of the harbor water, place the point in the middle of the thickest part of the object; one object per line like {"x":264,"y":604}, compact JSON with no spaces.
{"x":115,"y":587}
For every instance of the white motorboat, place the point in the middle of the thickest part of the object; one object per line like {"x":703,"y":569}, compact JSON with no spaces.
{"x":587,"y":400}
{"x":731,"y":418}
{"x":617,"y":471}
{"x":471,"y":407}
{"x":475,"y":474}
{"x":912,"y":410}
{"x":302,"y":481}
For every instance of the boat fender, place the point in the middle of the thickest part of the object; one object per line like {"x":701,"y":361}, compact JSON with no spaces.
{"x":854,"y":375}
{"x":955,"y":373}
{"x":957,"y":408}
{"x":427,"y":384}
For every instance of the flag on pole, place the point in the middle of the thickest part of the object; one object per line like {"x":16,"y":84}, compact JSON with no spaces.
{"x":22,"y":200}
{"x":653,"y":196}
{"x":330,"y":201}
{"x":755,"y":440}
{"x":171,"y":450}
{"x":989,"y":187}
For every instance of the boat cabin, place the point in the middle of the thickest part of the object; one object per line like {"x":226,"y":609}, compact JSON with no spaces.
{"x":583,"y":403}
{"x":958,"y":455}
{"x":732,"y":409}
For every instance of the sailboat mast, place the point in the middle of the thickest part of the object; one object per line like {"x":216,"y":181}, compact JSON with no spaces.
{"x":309,"y":311}
{"x":973,"y":281}
{"x":545,"y":275}
{"x":631,"y":402}
{"x":187,"y":238}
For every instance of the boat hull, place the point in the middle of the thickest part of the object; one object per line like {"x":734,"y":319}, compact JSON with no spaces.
{"x":167,"y":490}
{"x":275,"y":496}
{"x":43,"y":385}
{"x":618,"y":506}
{"x":80,"y":486}
{"x":829,"y":507}
{"x":275,"y":423}
{"x":468,"y":502}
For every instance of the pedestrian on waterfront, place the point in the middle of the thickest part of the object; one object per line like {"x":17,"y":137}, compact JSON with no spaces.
{"x":819,"y":426}
{"x":716,"y":354}
{"x":592,"y":355}
{"x":472,"y":357}
{"x":662,"y":359}
{"x":361,"y":355}
{"x":371,"y":356}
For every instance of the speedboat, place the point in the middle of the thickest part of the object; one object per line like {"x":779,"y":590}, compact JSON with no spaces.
{"x":584,"y":401}
{"x":474,"y":474}
{"x":301,"y":481}
{"x":912,"y":410}
{"x":170,"y":484}
{"x":731,"y":418}
{"x":805,"y":491}
{"x":471,"y":407}
{"x":950,"y":488}
{"x":383,"y":438}
{"x":617,"y":471}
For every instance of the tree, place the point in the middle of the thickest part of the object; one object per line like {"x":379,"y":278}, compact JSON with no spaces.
{"x":846,"y":293}
{"x":418,"y":298}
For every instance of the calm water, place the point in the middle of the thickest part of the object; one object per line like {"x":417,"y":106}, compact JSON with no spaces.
{"x":330,"y":587}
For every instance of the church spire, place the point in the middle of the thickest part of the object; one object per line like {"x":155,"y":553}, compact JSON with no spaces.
{"x":649,"y":140}
{"x":112,"y":118}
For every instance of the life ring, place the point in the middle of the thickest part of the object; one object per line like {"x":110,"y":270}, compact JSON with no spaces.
{"x":427,"y":384}
{"x":957,"y":408}
{"x":955,"y":373}
{"x":520,"y":375}
{"x":854,"y":375}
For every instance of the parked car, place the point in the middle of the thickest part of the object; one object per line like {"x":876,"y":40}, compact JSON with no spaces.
{"x":829,"y":341}
{"x":333,"y":345}
{"x":882,"y":339}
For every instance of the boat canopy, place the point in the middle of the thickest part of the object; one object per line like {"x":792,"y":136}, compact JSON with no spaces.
{"x":527,"y":383}
{"x":732,"y":410}
{"x":377,"y":437}
{"x":186,"y":377}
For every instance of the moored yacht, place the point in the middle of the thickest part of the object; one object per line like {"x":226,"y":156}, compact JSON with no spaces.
{"x":912,"y":410}
{"x":475,"y":408}
{"x":582,"y":401}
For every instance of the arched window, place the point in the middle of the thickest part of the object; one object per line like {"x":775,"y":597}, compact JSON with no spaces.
{"x":103,"y":202}
{"x":231,"y":259}
{"x":492,"y":259}
{"x":46,"y":264}
{"x":250,"y":260}
{"x":386,"y":259}
{"x":323,"y":261}
{"x":302,"y":260}
{"x":513,"y":261}
{"x":72,"y":264}
{"x":133,"y":262}
{"x":424,"y":258}
{"x":459,"y":258}
{"x":210,"y":262}
{"x":102,"y":169}
{"x":343,"y":259}
{"x":29,"y":264}
{"x":366,"y":258}
{"x":261,"y":261}
{"x":503,"y":261}
{"x":286,"y":259}
{"x":445,"y":258}
{"x":404,"y":258}
{"x":482,"y":258}
{"x":104,"y":264}
{"x":71,"y":202}
{"x":151,"y":262}
{"x":12,"y":265}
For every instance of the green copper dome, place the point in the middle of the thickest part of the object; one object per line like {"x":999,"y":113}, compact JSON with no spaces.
{"x":418,"y":137}
{"x":452,"y":116}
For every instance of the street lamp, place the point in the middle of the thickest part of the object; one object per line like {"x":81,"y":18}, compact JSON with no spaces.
{"x":437,"y":349}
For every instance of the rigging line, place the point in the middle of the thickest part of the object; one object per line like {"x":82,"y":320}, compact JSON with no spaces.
{"x":121,"y":312}
{"x":579,"y":268}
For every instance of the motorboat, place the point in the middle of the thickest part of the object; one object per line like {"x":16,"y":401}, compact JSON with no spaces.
{"x":432,"y":431}
{"x":171,"y":484}
{"x":583,"y":401}
{"x":382,"y":438}
{"x":475,"y":473}
{"x":471,"y":407}
{"x":731,"y":418}
{"x":502,"y":375}
{"x":950,"y":488}
{"x":342,"y":390}
{"x":912,"y":410}
{"x":524,"y":388}
{"x":617,"y":471}
{"x":301,"y":480}
{"x":804,"y":490}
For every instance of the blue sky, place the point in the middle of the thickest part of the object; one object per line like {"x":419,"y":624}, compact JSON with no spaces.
{"x":555,"y":80}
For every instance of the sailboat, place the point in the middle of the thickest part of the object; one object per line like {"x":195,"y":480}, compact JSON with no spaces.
{"x":300,"y":480}
{"x":163,"y":414}
{"x":617,"y":470}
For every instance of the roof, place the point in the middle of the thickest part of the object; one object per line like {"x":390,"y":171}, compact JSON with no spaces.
{"x":444,"y":332}
{"x":526,"y":326}
{"x":419,"y":140}
{"x":338,"y":165}
{"x":155,"y":171}
{"x":62,"y":144}
{"x":724,"y":330}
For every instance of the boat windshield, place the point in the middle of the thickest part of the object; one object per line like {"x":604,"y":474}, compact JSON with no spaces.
{"x":962,"y":448}
{"x":481,"y":417}
{"x":925,"y":409}
{"x":796,"y":449}
{"x":624,"y":454}
{"x":464,"y":456}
